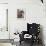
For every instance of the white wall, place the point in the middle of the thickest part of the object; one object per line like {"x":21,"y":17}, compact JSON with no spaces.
{"x":3,"y":1}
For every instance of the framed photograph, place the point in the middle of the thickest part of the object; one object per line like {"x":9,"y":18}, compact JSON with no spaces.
{"x":20,"y":13}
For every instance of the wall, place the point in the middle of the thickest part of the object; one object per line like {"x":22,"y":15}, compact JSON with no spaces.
{"x":3,"y":1}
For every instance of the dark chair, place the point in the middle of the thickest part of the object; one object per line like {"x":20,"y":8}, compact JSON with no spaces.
{"x":32,"y":29}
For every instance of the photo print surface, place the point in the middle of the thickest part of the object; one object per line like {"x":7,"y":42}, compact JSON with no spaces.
{"x":20,"y":13}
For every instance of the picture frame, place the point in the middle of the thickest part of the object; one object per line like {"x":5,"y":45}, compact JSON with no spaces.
{"x":20,"y":14}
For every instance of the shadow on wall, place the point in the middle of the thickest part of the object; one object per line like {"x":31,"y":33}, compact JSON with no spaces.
{"x":41,"y":34}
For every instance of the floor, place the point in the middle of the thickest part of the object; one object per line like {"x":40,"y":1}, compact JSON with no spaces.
{"x":5,"y":44}
{"x":26,"y":44}
{"x":23,"y":44}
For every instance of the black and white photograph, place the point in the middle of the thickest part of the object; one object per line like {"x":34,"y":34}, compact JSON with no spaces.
{"x":22,"y":22}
